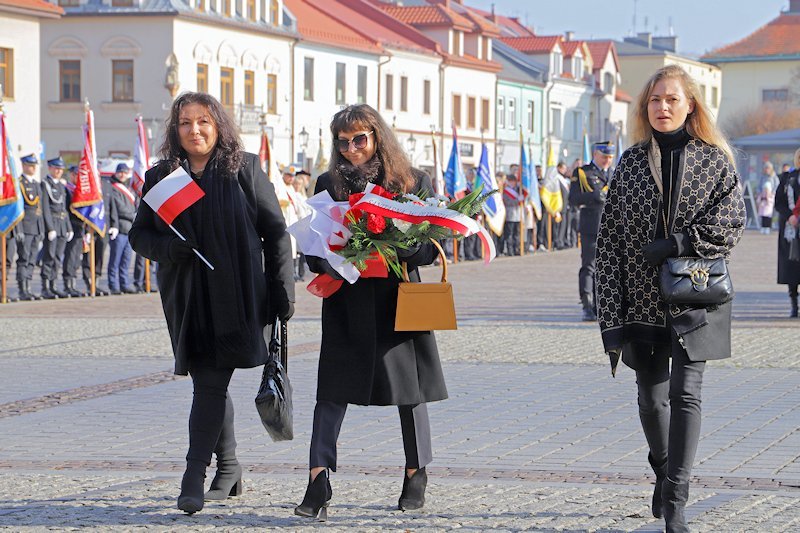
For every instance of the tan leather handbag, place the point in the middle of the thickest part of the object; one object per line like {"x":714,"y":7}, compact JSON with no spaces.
{"x":425,"y":306}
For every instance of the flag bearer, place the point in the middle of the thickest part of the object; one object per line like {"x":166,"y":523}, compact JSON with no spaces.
{"x":32,"y":225}
{"x":57,"y":228}
{"x":74,"y":248}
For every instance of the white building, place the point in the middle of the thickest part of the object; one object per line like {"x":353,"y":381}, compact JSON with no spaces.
{"x":130,"y":58}
{"x":20,"y":23}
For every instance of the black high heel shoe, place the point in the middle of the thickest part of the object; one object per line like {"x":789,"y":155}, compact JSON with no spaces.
{"x":318,"y":496}
{"x":227,"y":481}
{"x":413,"y":495}
{"x":191,"y":498}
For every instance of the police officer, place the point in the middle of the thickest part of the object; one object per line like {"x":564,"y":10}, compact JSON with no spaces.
{"x":32,"y":226}
{"x":122,"y":211}
{"x":58,"y":230}
{"x":587,"y":191}
{"x":74,"y":248}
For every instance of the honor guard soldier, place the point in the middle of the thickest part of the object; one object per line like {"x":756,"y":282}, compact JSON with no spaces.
{"x":58,"y":230}
{"x":587,"y":191}
{"x":32,"y":226}
{"x":73,"y":251}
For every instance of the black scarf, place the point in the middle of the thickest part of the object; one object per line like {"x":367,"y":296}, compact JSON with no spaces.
{"x":354,"y":179}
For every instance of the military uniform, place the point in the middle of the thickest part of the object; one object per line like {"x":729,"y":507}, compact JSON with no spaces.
{"x":74,"y":248}
{"x":31,"y":230}
{"x":57,"y":227}
{"x":587,"y":191}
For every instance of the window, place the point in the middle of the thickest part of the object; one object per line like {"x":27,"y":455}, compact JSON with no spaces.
{"x":274,"y":13}
{"x":530,"y":116}
{"x":577,"y":125}
{"x":226,"y":7}
{"x":558,"y":64}
{"x":715,"y":96}
{"x":122,"y":80}
{"x":7,"y":71}
{"x":202,"y":78}
{"x":512,"y":113}
{"x":389,"y":91}
{"x":578,"y":64}
{"x":555,"y":121}
{"x":426,"y":97}
{"x":471,"y":112}
{"x":608,"y":83}
{"x":457,"y":110}
{"x":403,"y":93}
{"x":456,"y":43}
{"x":775,"y":95}
{"x":69,"y":3}
{"x":340,"y":83}
{"x":69,"y":76}
{"x":703,"y":93}
{"x":362,"y":84}
{"x":226,"y":87}
{"x":251,"y":10}
{"x":501,"y":112}
{"x":308,"y":79}
{"x":486,"y":46}
{"x":122,"y":3}
{"x":485,"y":114}
{"x":249,"y":87}
{"x":272,"y":94}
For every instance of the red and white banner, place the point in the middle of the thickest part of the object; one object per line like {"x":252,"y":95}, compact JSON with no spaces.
{"x":87,"y":197}
{"x":8,"y":187}
{"x":141,"y":158}
{"x":173,"y":195}
{"x":126,"y":192}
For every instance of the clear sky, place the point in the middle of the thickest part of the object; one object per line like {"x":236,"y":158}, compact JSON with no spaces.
{"x":701,"y":25}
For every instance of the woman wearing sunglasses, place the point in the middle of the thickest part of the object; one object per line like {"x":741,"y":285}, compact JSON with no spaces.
{"x":363,"y":361}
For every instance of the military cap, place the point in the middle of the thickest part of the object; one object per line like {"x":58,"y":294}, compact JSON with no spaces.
{"x":56,"y":162}
{"x":122,"y":167}
{"x":29,"y":159}
{"x":302,"y":172}
{"x":73,"y":168}
{"x":605,"y":147}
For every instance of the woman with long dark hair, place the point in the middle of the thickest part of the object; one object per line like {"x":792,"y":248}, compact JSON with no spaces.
{"x":215,"y":317}
{"x":675,"y":193}
{"x":787,"y":197}
{"x":363,"y":361}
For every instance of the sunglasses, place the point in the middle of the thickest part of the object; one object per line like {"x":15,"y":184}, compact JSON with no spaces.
{"x":359,"y":142}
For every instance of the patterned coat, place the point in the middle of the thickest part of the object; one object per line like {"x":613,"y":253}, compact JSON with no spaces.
{"x":708,"y":207}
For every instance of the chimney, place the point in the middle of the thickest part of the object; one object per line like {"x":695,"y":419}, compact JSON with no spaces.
{"x":570,"y":35}
{"x":794,"y":6}
{"x":667,"y":43}
{"x":494,"y":15}
{"x":646,"y":38}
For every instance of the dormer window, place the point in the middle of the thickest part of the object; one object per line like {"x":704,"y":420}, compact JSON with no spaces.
{"x":557,"y":68}
{"x":457,"y":43}
{"x":577,"y":63}
{"x":608,"y":83}
{"x":486,"y":49}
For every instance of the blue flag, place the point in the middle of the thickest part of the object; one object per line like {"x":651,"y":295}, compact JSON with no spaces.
{"x":455,"y":182}
{"x":530,"y":184}
{"x":587,"y":151}
{"x":12,"y":208}
{"x":493,"y":208}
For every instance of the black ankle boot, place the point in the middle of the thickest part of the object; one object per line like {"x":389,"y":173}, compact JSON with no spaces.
{"x":793,"y":302}
{"x":46,"y":293}
{"x":318,"y":495}
{"x":24,"y":292}
{"x":227,"y":481}
{"x":674,"y":496}
{"x":413,"y":495}
{"x":191,"y":499}
{"x":54,"y":289}
{"x":661,"y":474}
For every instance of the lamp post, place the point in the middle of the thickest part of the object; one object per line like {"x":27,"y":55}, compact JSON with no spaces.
{"x":303,"y":138}
{"x":411,"y":145}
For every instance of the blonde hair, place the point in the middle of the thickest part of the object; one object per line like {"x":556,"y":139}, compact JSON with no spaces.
{"x":699,"y":123}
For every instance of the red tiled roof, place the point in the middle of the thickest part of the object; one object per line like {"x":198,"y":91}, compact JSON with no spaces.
{"x":486,"y":27}
{"x":509,"y":26}
{"x":430,"y":15}
{"x":317,"y":26}
{"x":622,"y":96}
{"x":600,"y":50}
{"x":472,"y":62}
{"x":570,"y":47}
{"x":534,"y":45}
{"x":779,"y":37}
{"x":40,"y":6}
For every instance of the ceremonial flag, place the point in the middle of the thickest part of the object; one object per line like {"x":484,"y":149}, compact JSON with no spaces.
{"x":12,"y":208}
{"x":587,"y":151}
{"x":529,"y":181}
{"x":173,"y":195}
{"x":551,"y":156}
{"x":270,"y":167}
{"x":454,"y":179}
{"x":494,"y":208}
{"x":438,"y":177}
{"x":87,"y":198}
{"x":141,"y":158}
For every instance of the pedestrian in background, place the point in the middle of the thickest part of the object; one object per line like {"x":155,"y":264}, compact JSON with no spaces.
{"x":122,"y":212}
{"x":215,"y":317}
{"x":766,"y":196}
{"x":363,"y":360}
{"x":675,"y":193}
{"x":786,"y":199}
{"x":512,"y":197}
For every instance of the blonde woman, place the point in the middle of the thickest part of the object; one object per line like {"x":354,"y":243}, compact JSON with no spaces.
{"x":675,"y":193}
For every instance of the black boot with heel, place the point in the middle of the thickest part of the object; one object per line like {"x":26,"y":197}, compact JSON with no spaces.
{"x":413,"y":495}
{"x":191,"y":499}
{"x":228,"y":480}
{"x":674,"y":497}
{"x":661,"y":474}
{"x":318,"y":496}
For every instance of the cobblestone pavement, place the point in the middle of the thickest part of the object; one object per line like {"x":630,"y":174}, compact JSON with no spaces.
{"x":536,"y":435}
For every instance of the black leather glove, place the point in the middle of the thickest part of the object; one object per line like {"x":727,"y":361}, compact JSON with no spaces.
{"x":319,"y":265}
{"x":181,"y":251}
{"x":405,"y":253}
{"x":657,"y":251}
{"x":285,"y":310}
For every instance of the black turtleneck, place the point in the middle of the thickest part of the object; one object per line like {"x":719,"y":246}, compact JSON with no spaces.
{"x":672,"y":146}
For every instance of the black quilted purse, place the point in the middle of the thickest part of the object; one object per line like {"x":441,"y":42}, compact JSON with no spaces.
{"x":274,"y":398}
{"x":695,"y":281}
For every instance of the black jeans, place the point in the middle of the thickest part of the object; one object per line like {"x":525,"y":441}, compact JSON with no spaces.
{"x":211,"y":418}
{"x":669,"y":408}
{"x":328,"y":417}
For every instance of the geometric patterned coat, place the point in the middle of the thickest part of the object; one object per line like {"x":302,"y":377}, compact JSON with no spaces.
{"x":706,"y":206}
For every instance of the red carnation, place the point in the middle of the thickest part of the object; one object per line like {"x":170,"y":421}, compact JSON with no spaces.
{"x":375,"y":223}
{"x":354,"y":198}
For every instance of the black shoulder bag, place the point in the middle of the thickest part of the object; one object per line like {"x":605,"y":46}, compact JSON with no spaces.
{"x":274,"y":398}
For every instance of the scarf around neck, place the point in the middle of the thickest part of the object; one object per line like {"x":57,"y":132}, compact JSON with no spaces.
{"x":355,"y":179}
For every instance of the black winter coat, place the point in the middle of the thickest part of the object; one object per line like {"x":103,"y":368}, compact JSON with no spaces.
{"x":121,"y":210}
{"x":33,"y":221}
{"x":788,"y":271}
{"x":151,"y":238}
{"x":363,"y":360}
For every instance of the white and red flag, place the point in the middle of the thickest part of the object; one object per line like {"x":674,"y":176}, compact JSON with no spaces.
{"x":141,"y":158}
{"x":87,"y":197}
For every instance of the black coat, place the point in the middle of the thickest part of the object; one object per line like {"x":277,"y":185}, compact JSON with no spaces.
{"x":33,"y":221}
{"x":121,"y":210}
{"x":363,"y":360}
{"x":587,"y":191}
{"x":151,"y":237}
{"x":788,"y":271}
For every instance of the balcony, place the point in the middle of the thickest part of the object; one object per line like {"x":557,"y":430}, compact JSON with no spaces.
{"x":247,"y":117}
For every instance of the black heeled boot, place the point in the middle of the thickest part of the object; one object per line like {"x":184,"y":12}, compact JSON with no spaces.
{"x":191,"y":499}
{"x":661,"y":475}
{"x":793,"y":301}
{"x":413,"y":495}
{"x":674,"y":497}
{"x":46,"y":292}
{"x":227,"y":481}
{"x":318,"y":496}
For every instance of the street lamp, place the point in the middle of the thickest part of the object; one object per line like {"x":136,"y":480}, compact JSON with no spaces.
{"x":411,"y":144}
{"x":303,"y":138}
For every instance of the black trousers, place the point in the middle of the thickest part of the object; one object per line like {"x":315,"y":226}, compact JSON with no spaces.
{"x":53,"y":257}
{"x":72,"y":254}
{"x":27,"y":249}
{"x":511,"y":237}
{"x":211,"y":418}
{"x":328,"y":417}
{"x":669,"y":408}
{"x":588,"y":265}
{"x":100,"y":244}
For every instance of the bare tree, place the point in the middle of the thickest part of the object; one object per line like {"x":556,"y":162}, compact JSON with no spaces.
{"x":766,"y":118}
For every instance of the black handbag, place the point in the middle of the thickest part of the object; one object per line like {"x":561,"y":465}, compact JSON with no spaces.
{"x":695,"y":281}
{"x":274,"y":398}
{"x":794,"y":248}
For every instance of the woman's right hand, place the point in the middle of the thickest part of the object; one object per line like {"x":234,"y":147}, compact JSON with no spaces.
{"x":180,"y":251}
{"x":319,"y":265}
{"x":793,"y":221}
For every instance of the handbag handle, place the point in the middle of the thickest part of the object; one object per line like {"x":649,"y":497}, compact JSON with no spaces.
{"x":441,"y":255}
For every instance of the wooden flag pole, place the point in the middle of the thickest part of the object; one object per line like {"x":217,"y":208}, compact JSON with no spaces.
{"x":3,"y":298}
{"x":146,"y":275}
{"x":455,"y":250}
{"x":93,"y":284}
{"x":549,"y":232}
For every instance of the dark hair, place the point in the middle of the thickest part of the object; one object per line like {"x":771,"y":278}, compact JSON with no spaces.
{"x":228,"y":150}
{"x":396,"y":166}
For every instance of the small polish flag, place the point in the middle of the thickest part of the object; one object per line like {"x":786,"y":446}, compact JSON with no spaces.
{"x":173,"y":195}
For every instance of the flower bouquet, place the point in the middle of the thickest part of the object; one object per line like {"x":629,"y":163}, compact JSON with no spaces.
{"x":360,"y":237}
